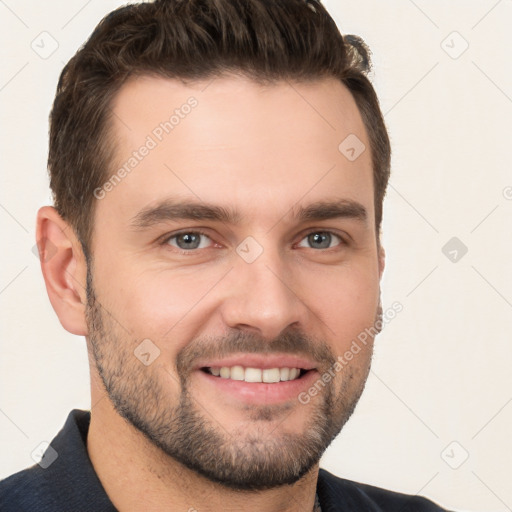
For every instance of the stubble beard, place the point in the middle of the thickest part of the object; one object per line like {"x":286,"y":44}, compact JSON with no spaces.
{"x":259,"y":459}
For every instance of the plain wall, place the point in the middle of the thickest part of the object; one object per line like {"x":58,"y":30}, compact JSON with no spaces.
{"x":441,"y":385}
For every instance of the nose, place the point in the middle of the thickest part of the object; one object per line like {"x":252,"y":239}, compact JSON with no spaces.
{"x":262,"y":296}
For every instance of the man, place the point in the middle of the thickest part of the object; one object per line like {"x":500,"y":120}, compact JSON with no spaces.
{"x":218,"y":169}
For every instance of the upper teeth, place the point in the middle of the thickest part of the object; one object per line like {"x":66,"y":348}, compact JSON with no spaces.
{"x":255,"y":374}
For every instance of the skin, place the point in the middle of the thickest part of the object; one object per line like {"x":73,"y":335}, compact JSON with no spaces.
{"x":264,"y":150}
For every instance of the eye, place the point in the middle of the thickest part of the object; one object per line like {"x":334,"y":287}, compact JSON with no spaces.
{"x":189,"y":240}
{"x":192,"y":240}
{"x":321,"y":240}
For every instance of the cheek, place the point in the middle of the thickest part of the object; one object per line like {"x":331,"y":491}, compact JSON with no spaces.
{"x":173,"y":306}
{"x":166,"y":306}
{"x":347,"y":303}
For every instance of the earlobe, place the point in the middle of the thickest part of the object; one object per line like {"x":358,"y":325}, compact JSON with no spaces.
{"x":64,"y":269}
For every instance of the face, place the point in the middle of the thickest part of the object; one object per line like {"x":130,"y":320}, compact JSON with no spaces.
{"x":234,"y":260}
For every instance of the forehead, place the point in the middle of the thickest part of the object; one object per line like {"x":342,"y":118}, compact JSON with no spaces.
{"x":231,"y":141}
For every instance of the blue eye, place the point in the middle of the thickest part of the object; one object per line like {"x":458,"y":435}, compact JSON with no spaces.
{"x":192,"y":240}
{"x":189,"y":240}
{"x":321,"y":240}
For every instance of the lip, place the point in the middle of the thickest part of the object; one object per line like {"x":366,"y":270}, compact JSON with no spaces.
{"x":260,"y":392}
{"x":264,"y":361}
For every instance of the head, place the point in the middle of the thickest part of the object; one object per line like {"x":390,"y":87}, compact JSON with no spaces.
{"x":198,"y":161}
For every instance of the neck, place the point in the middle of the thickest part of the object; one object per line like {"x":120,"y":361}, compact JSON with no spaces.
{"x":137,"y":475}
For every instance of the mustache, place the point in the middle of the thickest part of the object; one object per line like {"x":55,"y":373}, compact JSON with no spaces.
{"x":293,"y":342}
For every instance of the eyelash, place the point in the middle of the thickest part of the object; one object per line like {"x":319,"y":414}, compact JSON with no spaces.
{"x":167,"y":238}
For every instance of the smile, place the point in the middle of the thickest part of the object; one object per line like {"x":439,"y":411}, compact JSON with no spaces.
{"x":267,"y":375}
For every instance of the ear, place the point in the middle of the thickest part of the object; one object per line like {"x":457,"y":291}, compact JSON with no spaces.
{"x":382,"y":260}
{"x":64,"y":269}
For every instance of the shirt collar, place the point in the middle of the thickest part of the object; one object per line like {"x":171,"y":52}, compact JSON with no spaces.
{"x":72,"y":475}
{"x":71,"y":478}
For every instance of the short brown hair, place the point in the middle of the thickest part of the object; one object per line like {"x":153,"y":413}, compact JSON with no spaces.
{"x":265,"y":40}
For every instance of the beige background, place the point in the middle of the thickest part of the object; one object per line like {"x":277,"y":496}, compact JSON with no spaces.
{"x":441,"y":386}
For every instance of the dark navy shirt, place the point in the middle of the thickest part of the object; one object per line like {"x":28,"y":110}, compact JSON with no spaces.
{"x":69,"y":483}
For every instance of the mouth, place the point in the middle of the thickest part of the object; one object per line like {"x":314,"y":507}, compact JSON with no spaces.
{"x":254,"y":375}
{"x":266,"y":384}
{"x":257,"y":378}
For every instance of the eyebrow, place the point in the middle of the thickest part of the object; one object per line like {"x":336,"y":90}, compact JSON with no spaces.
{"x":175,"y":209}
